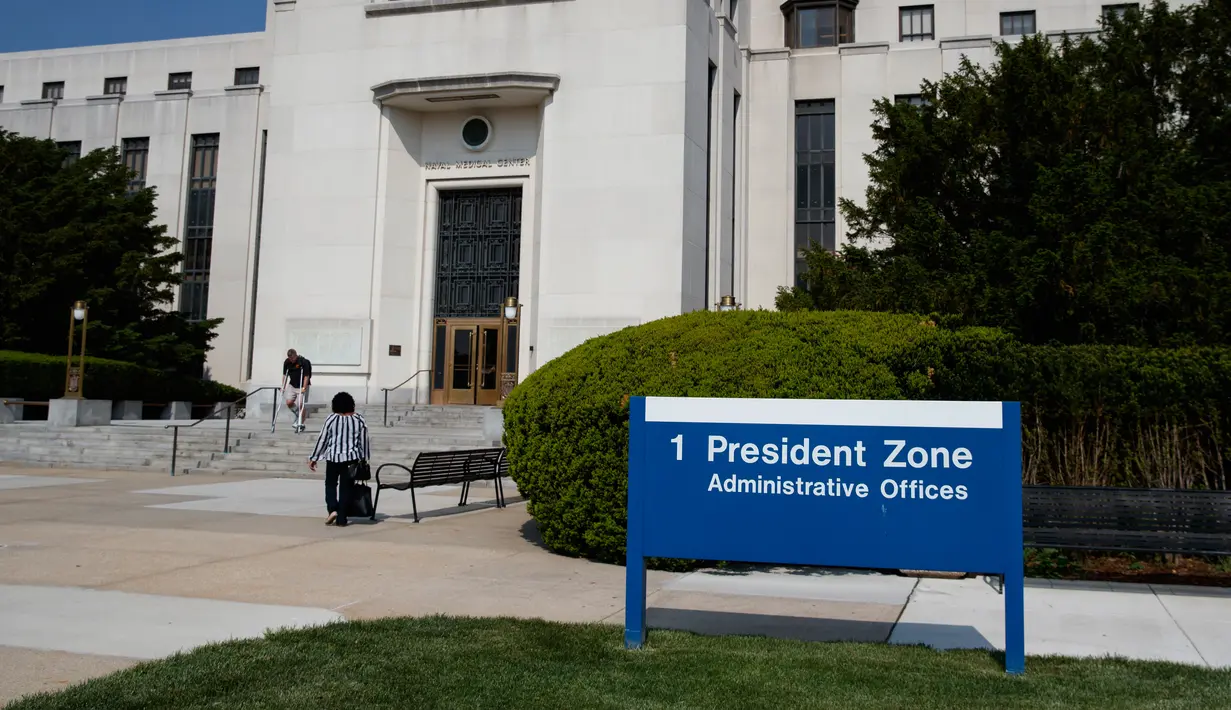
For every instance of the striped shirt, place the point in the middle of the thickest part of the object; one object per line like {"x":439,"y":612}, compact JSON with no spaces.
{"x":343,"y":438}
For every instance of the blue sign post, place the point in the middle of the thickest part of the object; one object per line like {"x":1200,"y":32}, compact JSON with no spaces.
{"x":839,"y":483}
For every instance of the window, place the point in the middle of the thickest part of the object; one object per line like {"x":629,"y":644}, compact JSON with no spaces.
{"x":117,"y":86}
{"x":72,"y":151}
{"x":476,"y":133}
{"x":815,"y":181}
{"x":916,"y":23}
{"x":53,"y":90}
{"x":734,"y":185}
{"x":1118,"y":11}
{"x":1,"y":94}
{"x":912,"y":99}
{"x":256,"y":251}
{"x":819,"y":24}
{"x":136,"y":158}
{"x":248,"y":76}
{"x":1017,"y":23}
{"x":199,"y":226}
{"x":179,"y":81}
{"x":709,"y":173}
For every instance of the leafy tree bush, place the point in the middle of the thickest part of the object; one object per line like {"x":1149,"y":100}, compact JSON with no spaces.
{"x":1091,"y":414}
{"x":41,"y":377}
{"x":1072,"y":194}
{"x":74,"y":231}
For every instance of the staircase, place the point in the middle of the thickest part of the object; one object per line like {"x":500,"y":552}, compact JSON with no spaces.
{"x":254,"y":450}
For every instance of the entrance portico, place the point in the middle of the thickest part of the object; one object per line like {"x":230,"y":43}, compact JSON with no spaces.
{"x":466,"y":149}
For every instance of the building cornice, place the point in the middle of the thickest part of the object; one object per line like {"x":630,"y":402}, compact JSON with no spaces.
{"x":381,"y":8}
{"x":173,"y":95}
{"x":789,"y":5}
{"x":864,"y":48}
{"x":972,"y":42}
{"x":468,"y":82}
{"x":769,"y":55}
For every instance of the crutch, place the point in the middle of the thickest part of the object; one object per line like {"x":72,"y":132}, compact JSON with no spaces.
{"x":281,"y":403}
{"x":303,"y":404}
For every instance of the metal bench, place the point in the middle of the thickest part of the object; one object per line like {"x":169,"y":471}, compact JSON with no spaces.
{"x":1150,"y":520}
{"x":445,"y":468}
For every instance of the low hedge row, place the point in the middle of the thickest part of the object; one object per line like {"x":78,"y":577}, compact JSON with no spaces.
{"x":1114,"y":416}
{"x":41,"y":377}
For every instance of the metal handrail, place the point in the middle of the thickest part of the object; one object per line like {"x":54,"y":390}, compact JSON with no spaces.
{"x":387,"y":390}
{"x":226,"y":441}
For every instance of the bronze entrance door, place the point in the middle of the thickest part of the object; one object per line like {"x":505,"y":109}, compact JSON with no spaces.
{"x":473,"y":364}
{"x":478,"y":264}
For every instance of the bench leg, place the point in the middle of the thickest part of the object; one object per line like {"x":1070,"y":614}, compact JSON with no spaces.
{"x":375,"y":502}
{"x":461,"y":501}
{"x":500,"y":494}
{"x":413,"y":505}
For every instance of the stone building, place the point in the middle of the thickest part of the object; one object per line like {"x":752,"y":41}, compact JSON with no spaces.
{"x":371,"y":182}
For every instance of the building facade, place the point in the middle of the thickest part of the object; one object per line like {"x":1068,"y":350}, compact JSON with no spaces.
{"x":371,"y":182}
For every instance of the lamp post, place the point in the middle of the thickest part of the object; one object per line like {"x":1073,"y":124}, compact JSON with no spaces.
{"x":510,"y":318}
{"x":74,"y":376}
{"x":727,"y":303}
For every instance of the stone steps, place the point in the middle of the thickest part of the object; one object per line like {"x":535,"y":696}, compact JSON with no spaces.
{"x":253,"y":447}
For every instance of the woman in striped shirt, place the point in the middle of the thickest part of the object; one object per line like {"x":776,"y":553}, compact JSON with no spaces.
{"x":343,"y":443}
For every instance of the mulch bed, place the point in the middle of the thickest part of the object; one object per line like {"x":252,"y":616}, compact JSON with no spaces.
{"x":1159,"y":569}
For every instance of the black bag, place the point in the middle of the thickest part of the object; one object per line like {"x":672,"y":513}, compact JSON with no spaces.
{"x":360,"y":471}
{"x":360,"y":501}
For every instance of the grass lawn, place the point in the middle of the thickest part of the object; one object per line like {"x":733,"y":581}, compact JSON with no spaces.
{"x":501,"y":663}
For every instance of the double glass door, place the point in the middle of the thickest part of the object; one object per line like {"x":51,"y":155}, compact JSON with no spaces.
{"x":472,"y":361}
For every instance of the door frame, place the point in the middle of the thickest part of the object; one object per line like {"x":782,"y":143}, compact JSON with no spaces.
{"x":426,"y":317}
{"x":477,"y":392}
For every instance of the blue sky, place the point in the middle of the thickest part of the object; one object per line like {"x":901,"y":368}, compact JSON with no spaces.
{"x":44,"y":24}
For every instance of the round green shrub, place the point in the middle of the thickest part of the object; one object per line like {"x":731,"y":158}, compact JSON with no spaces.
{"x":566,"y":426}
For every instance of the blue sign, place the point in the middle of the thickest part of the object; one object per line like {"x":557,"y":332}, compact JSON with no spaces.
{"x":838,"y":483}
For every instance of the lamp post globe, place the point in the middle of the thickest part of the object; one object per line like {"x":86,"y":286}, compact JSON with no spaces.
{"x":511,"y":307}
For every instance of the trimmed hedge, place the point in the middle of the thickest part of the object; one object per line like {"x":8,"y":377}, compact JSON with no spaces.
{"x":1091,"y":415}
{"x":566,"y":426}
{"x":41,"y":377}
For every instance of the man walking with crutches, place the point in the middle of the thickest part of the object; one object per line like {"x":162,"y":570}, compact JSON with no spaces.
{"x":296,"y":378}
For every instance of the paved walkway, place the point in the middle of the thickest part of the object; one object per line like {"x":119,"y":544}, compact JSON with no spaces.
{"x":101,"y":569}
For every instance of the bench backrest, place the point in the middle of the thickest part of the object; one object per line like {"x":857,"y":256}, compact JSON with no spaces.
{"x":1127,"y":509}
{"x":439,"y":468}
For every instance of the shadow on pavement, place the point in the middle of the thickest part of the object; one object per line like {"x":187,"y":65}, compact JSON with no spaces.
{"x":806,"y":628}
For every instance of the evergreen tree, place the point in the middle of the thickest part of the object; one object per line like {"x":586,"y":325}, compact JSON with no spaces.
{"x":1071,"y":193}
{"x":73,"y":231}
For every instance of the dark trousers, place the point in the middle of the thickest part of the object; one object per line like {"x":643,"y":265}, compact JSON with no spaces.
{"x":338,"y":486}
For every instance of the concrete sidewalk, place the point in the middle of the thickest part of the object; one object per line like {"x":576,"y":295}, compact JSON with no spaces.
{"x":100,"y":569}
{"x":1147,"y":622}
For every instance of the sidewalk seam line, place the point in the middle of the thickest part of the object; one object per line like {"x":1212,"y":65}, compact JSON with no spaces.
{"x":894,"y":627}
{"x":1179,"y":626}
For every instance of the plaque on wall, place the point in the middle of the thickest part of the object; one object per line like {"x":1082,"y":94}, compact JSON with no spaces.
{"x":328,"y":342}
{"x":395,"y":351}
{"x":508,"y":380}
